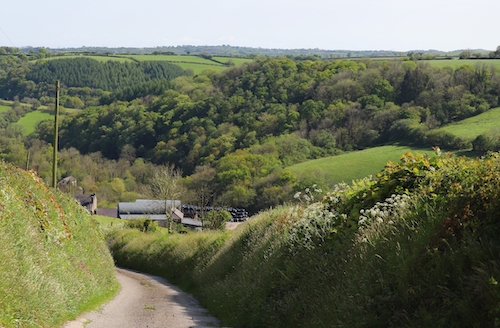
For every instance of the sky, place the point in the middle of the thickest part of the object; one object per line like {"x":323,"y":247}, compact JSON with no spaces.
{"x":396,"y":25}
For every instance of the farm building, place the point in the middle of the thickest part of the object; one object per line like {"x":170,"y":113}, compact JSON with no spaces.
{"x":88,"y":201}
{"x":66,"y":183}
{"x":156,"y":210}
{"x":162,"y":210}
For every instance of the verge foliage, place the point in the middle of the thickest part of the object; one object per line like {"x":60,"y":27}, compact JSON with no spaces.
{"x":55,"y":264}
{"x":416,"y":246}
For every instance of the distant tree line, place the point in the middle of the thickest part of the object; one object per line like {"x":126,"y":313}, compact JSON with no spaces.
{"x":232,"y":51}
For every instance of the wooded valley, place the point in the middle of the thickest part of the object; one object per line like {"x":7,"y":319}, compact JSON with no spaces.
{"x":232,"y":133}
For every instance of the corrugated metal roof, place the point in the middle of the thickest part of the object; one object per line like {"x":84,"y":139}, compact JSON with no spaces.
{"x":154,"y":217}
{"x":144,"y":206}
{"x":191,"y":222}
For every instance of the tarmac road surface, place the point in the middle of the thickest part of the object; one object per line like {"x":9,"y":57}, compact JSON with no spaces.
{"x":147,"y":301}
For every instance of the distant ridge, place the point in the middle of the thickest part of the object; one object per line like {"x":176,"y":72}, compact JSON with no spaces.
{"x":235,"y":51}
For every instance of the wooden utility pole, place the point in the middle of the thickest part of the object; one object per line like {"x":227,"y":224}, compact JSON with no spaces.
{"x":56,"y":137}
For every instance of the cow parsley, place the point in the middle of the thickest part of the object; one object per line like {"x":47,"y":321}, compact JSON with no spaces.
{"x":374,"y":222}
{"x":314,"y":226}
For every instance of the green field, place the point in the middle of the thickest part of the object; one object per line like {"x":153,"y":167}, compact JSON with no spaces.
{"x":454,"y":63}
{"x":353,"y":165}
{"x":198,"y":68}
{"x":3,"y":108}
{"x":98,"y":58}
{"x":195,"y":63}
{"x":473,"y":126}
{"x":30,"y":120}
{"x":359,"y":164}
{"x":237,"y":61}
{"x":172,"y":59}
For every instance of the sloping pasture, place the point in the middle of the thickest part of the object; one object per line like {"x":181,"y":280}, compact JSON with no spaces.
{"x":351,"y":166}
{"x":472,"y":127}
{"x":196,"y":63}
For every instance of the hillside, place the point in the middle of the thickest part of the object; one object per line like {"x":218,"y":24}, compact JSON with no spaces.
{"x":55,"y":264}
{"x":474,"y":126}
{"x":194,"y":63}
{"x":328,"y":171}
{"x":238,"y":130}
{"x":359,"y":164}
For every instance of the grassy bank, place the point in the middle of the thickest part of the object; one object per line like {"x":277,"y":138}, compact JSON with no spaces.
{"x":416,"y":246}
{"x":54,"y":261}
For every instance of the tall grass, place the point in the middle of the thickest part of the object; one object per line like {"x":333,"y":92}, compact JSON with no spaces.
{"x":54,"y":261}
{"x":416,"y":246}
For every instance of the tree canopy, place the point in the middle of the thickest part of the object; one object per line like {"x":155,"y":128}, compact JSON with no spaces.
{"x":241,"y":128}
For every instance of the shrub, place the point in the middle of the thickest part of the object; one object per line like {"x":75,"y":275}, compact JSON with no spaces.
{"x":216,"y":220}
{"x":143,"y":225}
{"x":485,"y":142}
{"x":446,"y":140}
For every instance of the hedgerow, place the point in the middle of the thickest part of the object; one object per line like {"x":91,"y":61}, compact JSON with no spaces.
{"x":414,"y":246}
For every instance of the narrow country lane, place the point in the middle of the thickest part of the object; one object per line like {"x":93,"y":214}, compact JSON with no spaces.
{"x":147,"y":301}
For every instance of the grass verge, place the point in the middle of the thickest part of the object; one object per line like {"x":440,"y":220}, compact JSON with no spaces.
{"x":55,"y":264}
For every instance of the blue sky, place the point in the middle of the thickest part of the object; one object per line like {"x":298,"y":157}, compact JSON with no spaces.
{"x":398,"y":25}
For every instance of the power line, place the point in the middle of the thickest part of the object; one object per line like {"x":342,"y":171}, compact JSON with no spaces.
{"x":7,"y":37}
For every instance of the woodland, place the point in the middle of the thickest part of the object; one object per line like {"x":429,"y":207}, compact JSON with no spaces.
{"x":227,"y":138}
